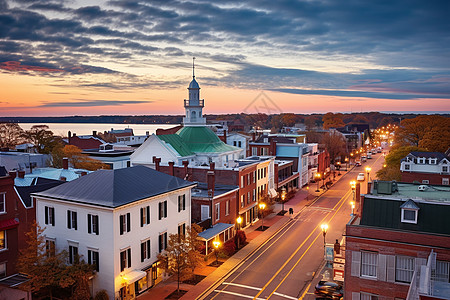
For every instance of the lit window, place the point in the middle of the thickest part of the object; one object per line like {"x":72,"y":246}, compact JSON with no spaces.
{"x":369,"y":261}
{"x":2,"y":239}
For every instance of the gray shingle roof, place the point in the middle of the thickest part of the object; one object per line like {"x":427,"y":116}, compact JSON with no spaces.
{"x":114,"y":188}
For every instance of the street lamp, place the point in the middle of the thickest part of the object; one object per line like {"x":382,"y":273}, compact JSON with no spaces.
{"x":352,"y":203}
{"x":368,"y":169}
{"x":216,"y":246}
{"x":317,"y":180}
{"x":239,"y":221}
{"x":283,"y":197}
{"x":262,"y":206}
{"x":324,"y":231}
{"x":346,"y":163}
{"x":353,"y":185}
{"x":339,"y":169}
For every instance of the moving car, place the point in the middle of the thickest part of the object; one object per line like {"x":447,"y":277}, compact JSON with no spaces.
{"x":357,"y":163}
{"x":360,"y":177}
{"x":329,"y":289}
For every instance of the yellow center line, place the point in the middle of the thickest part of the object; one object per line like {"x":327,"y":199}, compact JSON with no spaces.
{"x":298,"y":248}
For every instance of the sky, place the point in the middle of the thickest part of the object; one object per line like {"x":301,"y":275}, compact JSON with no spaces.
{"x":118,"y":57}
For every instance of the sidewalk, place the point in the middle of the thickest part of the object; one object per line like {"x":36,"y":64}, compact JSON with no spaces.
{"x":255,"y":239}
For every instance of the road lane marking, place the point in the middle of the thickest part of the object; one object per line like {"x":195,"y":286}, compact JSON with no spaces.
{"x":299,"y":247}
{"x":237,"y":294}
{"x":285,"y":296}
{"x":242,"y":285}
{"x":306,"y":290}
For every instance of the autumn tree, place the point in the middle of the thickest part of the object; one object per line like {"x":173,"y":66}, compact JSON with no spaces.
{"x":430,"y":132}
{"x":335,"y":144}
{"x":76,"y":158}
{"x":181,"y":255}
{"x":42,"y":138}
{"x":10,"y":135}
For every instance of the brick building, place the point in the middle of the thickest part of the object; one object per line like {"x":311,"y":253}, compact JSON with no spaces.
{"x":398,"y":246}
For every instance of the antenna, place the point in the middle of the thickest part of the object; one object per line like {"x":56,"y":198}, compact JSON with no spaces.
{"x":193,"y":67}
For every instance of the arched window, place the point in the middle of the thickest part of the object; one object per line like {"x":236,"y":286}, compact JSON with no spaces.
{"x":193,"y":115}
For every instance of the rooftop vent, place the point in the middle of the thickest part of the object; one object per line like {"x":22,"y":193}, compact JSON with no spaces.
{"x":422,"y":188}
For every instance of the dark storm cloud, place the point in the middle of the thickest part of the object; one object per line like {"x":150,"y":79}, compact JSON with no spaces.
{"x":93,"y":103}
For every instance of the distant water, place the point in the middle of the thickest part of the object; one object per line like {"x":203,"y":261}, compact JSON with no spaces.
{"x":87,"y":128}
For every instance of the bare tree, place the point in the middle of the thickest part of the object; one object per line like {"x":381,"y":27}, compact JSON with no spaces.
{"x":10,"y":135}
{"x":335,"y":144}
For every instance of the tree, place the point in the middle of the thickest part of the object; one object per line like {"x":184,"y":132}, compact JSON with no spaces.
{"x":335,"y":144}
{"x":181,"y":255}
{"x":76,"y":158}
{"x":331,"y":120}
{"x":430,"y":132}
{"x":42,"y":138}
{"x":10,"y":135}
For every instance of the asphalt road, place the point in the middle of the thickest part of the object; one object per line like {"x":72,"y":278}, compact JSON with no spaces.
{"x":284,"y":266}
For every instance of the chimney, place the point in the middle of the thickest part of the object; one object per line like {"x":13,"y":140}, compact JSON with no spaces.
{"x":147,"y":133}
{"x":153,"y":159}
{"x":273,"y":147}
{"x":65,"y":163}
{"x":225,"y":136}
{"x":157,"y":162}
{"x":21,"y":174}
{"x":185,"y":165}
{"x":83,"y":173}
{"x":210,"y":177}
{"x":69,"y":134}
{"x":74,"y":134}
{"x":253,"y":136}
{"x":171,"y":168}
{"x":94,"y":133}
{"x":212,"y":166}
{"x":13,"y":174}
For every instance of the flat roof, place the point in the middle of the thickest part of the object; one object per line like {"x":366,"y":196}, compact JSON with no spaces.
{"x":438,"y":193}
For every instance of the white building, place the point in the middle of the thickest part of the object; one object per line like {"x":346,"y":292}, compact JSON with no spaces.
{"x":239,"y":140}
{"x":118,"y":220}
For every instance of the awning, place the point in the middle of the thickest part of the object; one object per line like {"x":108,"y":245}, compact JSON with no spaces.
{"x":272,"y":193}
{"x":214,"y":231}
{"x":8,"y":224}
{"x":133,"y":276}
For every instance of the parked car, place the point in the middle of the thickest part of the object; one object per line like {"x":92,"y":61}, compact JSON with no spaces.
{"x":329,"y":289}
{"x":360,"y":177}
{"x":369,"y":155}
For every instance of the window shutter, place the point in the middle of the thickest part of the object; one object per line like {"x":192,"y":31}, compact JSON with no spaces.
{"x":160,"y":243}
{"x":53,"y":216}
{"x":148,"y":214}
{"x":121,"y":224}
{"x":142,"y":251}
{"x":160,"y":211}
{"x":68,"y":219}
{"x":165,"y":240}
{"x":74,"y":216}
{"x":89,"y":216}
{"x":128,"y":222}
{"x":97,"y":261}
{"x":148,"y":249}
{"x":70,"y":254}
{"x":356,"y":263}
{"x":129,"y":257}
{"x":97,"y":227}
{"x":122,"y":261}
{"x":142,"y":216}
{"x":165,"y":209}
{"x":89,"y":257}
{"x":381,"y":272}
{"x":184,"y":202}
{"x":46,"y":215}
{"x":179,"y":203}
{"x":390,"y":268}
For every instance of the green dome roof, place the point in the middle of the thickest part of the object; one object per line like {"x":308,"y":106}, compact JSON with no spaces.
{"x":203,"y":139}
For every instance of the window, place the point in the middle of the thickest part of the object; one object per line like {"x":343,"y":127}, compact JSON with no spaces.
{"x":369,"y":262}
{"x":442,"y":271}
{"x":227,"y":207}
{"x":254,"y":195}
{"x":50,"y":215}
{"x":125,"y":259}
{"x":73,"y":254}
{"x":367,"y":296}
{"x":242,"y":200}
{"x":181,"y":202}
{"x":72,"y":219}
{"x":254,"y":176}
{"x":217,"y":211}
{"x":404,"y":268}
{"x":2,"y":270}
{"x":239,"y":144}
{"x":182,"y":229}
{"x":145,"y":250}
{"x":254,"y":151}
{"x":162,"y":210}
{"x":50,"y":249}
{"x":248,"y":197}
{"x":444,"y":169}
{"x":234,"y":143}
{"x":2,"y":203}
{"x":162,"y":241}
{"x":445,"y":181}
{"x":125,"y":223}
{"x":93,"y":259}
{"x":2,"y":239}
{"x":92,"y":224}
{"x":204,"y":212}
{"x":425,"y":181}
{"x":145,"y":215}
{"x":409,"y":215}
{"x":406,"y":167}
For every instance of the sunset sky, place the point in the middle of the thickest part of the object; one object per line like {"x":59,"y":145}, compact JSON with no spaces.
{"x":69,"y":57}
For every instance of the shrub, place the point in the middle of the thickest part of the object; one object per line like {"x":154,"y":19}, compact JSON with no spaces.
{"x":101,"y":295}
{"x":229,"y":247}
{"x":240,"y":234}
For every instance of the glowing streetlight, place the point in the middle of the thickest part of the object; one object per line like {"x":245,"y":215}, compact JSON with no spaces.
{"x":353,"y":185}
{"x":216,"y":244}
{"x":317,"y":176}
{"x":339,"y":169}
{"x":283,"y":197}
{"x":262,"y":206}
{"x":368,"y":169}
{"x":352,"y":203}
{"x":324,"y":228}
{"x":238,"y":221}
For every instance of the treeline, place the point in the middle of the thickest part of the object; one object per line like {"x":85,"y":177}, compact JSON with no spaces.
{"x":374,"y":119}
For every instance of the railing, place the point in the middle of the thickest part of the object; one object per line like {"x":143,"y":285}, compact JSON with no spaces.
{"x":201,"y":103}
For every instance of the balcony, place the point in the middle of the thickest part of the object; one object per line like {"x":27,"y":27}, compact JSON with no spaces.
{"x":187,"y":103}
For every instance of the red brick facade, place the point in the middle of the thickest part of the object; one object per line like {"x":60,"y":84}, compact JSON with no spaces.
{"x":433,"y":178}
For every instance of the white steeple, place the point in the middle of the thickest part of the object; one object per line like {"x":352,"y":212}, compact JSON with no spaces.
{"x":194,"y":106}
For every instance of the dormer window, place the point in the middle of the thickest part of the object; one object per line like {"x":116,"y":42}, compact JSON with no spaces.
{"x":409,"y":212}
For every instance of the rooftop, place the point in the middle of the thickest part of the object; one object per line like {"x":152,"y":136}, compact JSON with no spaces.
{"x":401,"y":190}
{"x":201,"y":190}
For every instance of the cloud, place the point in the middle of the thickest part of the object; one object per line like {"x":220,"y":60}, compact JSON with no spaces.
{"x":93,"y":103}
{"x":17,"y":66}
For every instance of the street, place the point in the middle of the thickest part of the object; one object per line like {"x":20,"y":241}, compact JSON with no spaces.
{"x":284,"y":266}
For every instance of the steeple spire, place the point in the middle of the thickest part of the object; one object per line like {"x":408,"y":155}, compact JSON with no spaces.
{"x":193,"y":67}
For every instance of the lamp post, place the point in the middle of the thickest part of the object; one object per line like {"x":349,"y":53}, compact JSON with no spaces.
{"x":323,"y":181}
{"x":262,"y":206}
{"x":346,"y":164}
{"x":368,"y":169}
{"x":352,"y":203}
{"x":324,"y":228}
{"x":339,"y":168}
{"x":283,"y":197}
{"x":239,"y":221}
{"x":317,"y":180}
{"x":216,"y":248}
{"x":353,"y":185}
